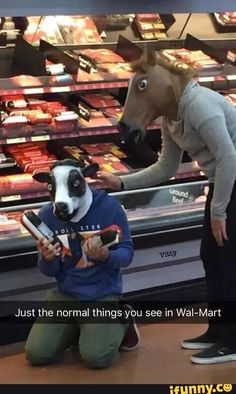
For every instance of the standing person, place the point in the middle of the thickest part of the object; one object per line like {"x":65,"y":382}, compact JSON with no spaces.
{"x":203,"y":123}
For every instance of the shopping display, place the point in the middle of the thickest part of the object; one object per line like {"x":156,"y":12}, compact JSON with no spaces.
{"x":67,"y":104}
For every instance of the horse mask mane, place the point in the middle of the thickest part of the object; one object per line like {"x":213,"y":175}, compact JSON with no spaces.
{"x":69,"y":191}
{"x":151,"y":59}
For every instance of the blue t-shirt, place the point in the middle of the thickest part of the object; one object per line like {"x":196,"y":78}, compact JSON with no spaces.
{"x":81,"y":279}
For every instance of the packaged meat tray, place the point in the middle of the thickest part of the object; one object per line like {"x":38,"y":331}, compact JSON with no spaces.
{"x":19,"y":184}
{"x":113,"y":113}
{"x":6,"y":160}
{"x":119,"y":70}
{"x":231,"y":97}
{"x":150,"y":26}
{"x":97,"y":119}
{"x":102,"y":55}
{"x":78,"y":29}
{"x":99,"y":100}
{"x":196,"y":59}
{"x":43,"y":28}
{"x":33,"y":157}
{"x":104,"y":148}
{"x":74,"y":151}
{"x":28,"y":117}
{"x":8,"y":226}
{"x":109,"y":163}
{"x":226,"y":18}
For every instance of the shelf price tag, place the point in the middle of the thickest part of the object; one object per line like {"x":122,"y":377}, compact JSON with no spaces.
{"x":34,"y":91}
{"x":40,"y":138}
{"x":86,"y":64}
{"x":206,"y":79}
{"x":18,"y":140}
{"x":231,"y":77}
{"x":84,"y":111}
{"x":11,"y":198}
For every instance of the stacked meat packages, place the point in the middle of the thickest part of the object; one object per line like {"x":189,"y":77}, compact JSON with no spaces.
{"x":78,"y":29}
{"x":104,"y":65}
{"x":108,"y":156}
{"x":24,"y":116}
{"x":203,"y":63}
{"x":226,"y":18}
{"x":150,"y":26}
{"x":29,"y":158}
{"x":33,"y":157}
{"x":97,"y":110}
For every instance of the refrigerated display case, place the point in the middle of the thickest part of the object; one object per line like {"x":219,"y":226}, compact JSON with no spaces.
{"x":38,"y":69}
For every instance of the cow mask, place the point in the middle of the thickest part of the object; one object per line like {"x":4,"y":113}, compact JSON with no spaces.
{"x":69,"y":191}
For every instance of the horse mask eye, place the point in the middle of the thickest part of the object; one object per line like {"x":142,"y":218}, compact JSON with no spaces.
{"x":142,"y":84}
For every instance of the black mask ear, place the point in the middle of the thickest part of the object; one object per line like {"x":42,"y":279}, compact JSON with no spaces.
{"x":42,"y":177}
{"x":90,"y":170}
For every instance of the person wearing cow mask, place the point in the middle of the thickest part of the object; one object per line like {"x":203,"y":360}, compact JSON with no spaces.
{"x":83,"y":271}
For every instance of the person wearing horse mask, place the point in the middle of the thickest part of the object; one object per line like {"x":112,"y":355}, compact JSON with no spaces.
{"x":202,"y":123}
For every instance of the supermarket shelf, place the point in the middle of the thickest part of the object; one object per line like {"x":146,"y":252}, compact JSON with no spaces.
{"x":25,"y":196}
{"x":40,"y":85}
{"x":79,"y":133}
{"x":101,"y":7}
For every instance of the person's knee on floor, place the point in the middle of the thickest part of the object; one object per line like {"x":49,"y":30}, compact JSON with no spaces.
{"x":99,"y":357}
{"x":36,"y":355}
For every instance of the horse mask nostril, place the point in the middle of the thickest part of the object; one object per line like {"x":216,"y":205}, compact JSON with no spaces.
{"x":129,"y":134}
{"x":61,"y":208}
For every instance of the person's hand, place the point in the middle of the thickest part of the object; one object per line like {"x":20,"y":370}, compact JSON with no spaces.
{"x":47,"y":250}
{"x":218,"y":228}
{"x":107,"y":180}
{"x":95,"y":252}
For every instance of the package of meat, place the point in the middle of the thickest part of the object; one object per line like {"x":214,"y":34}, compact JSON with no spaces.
{"x":97,"y":119}
{"x":103,"y":148}
{"x":110,"y":163}
{"x":6,"y":161}
{"x":99,"y":100}
{"x":78,"y":29}
{"x":103,"y":55}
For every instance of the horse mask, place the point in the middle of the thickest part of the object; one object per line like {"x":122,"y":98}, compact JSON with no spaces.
{"x":154,"y":91}
{"x":69,"y":191}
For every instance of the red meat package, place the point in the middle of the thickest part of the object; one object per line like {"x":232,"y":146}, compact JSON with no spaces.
{"x":18,"y":184}
{"x":114,"y":113}
{"x":109,"y":163}
{"x":103,"y":148}
{"x":78,"y":29}
{"x":103,"y":55}
{"x":34,"y":156}
{"x":97,"y":119}
{"x":9,"y":226}
{"x":98,"y":100}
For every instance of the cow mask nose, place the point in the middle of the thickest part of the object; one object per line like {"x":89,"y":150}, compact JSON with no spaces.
{"x":61,"y":209}
{"x":129,"y":134}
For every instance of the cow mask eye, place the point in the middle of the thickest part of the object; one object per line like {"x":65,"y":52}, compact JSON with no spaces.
{"x":49,"y":187}
{"x":76,"y":183}
{"x":142,"y":84}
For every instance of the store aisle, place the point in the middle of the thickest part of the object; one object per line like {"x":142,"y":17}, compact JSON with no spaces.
{"x":159,"y":360}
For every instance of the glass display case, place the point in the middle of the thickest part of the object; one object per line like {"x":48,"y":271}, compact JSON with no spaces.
{"x":58,"y":97}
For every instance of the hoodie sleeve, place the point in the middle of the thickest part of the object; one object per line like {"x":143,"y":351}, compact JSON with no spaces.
{"x":51,"y":268}
{"x":121,"y":254}
{"x":164,"y":169}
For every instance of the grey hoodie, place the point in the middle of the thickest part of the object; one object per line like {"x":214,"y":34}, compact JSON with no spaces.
{"x":206,"y":129}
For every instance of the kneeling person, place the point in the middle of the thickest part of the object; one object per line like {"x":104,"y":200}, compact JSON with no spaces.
{"x":83,"y":271}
